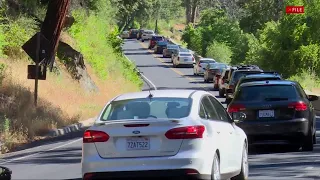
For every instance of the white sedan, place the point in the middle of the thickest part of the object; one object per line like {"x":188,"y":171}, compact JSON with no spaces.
{"x":200,"y":66}
{"x":147,"y":35}
{"x":165,"y":134}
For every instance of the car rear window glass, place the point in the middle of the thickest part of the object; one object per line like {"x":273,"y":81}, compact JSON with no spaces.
{"x":259,"y":79}
{"x":238,"y":74}
{"x":172,"y":47}
{"x":207,"y":61}
{"x":157,"y":38}
{"x":217,"y":66}
{"x":185,"y":55}
{"x":148,"y":32}
{"x":144,"y":108}
{"x":266,"y":93}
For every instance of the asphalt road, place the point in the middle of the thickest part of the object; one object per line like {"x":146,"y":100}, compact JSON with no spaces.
{"x":60,"y":158}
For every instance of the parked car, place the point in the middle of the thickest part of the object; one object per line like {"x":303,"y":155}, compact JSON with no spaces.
{"x":125,"y":35}
{"x":154,"y":40}
{"x":147,"y":35}
{"x":200,"y":66}
{"x":236,"y":75}
{"x":263,"y":76}
{"x":160,"y":46}
{"x":212,"y":69}
{"x":175,"y":52}
{"x":248,"y":66}
{"x":139,"y":34}
{"x":183,"y":58}
{"x":275,"y":111}
{"x":186,"y":131}
{"x":133,"y":33}
{"x":169,"y":49}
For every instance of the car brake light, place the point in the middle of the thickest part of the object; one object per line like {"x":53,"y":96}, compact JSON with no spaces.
{"x":136,"y":125}
{"x":91,"y":136}
{"x":191,"y":171}
{"x":233,"y":108}
{"x":193,"y":59}
{"x":231,"y":86}
{"x":87,"y":176}
{"x":188,"y":132}
{"x":298,"y":106}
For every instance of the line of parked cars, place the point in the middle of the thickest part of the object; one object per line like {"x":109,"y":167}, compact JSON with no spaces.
{"x":189,"y":133}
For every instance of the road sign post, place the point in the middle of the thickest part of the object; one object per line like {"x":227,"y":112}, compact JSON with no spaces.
{"x":37,"y":71}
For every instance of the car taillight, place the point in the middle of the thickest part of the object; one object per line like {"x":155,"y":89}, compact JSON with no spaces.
{"x":298,"y":106}
{"x":231,"y":86}
{"x":193,"y":59}
{"x":191,"y":171}
{"x":91,"y":136}
{"x":233,"y":108}
{"x":88,"y":176}
{"x":188,"y":132}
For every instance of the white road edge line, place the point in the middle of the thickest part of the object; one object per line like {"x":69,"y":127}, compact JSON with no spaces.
{"x":143,"y":76}
{"x":41,"y":152}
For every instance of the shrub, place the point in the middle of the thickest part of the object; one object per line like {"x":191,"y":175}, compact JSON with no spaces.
{"x":220,"y":52}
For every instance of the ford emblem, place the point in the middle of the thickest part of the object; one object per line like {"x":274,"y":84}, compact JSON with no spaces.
{"x":136,"y":132}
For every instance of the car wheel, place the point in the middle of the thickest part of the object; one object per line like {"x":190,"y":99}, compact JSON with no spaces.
{"x":244,"y":173}
{"x":215,"y":171}
{"x":308,"y":142}
{"x":221,"y":94}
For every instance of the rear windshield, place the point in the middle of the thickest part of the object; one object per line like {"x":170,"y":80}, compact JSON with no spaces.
{"x":185,"y":55}
{"x":157,"y":38}
{"x":259,"y":79}
{"x":172,"y":47}
{"x":217,"y":66}
{"x":207,"y":61}
{"x":134,"y":30}
{"x":148,"y":32}
{"x":238,"y":74}
{"x":266,"y":93}
{"x":145,"y":108}
{"x":162,"y":43}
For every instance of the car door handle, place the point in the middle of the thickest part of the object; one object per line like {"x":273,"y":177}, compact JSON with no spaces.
{"x":218,"y":132}
{"x":230,"y":132}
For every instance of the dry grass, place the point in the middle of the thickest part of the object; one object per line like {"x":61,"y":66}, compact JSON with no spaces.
{"x":61,"y":102}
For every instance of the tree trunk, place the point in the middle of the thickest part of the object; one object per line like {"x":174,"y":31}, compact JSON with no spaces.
{"x":53,"y":24}
{"x":194,"y":11}
{"x":188,"y":6}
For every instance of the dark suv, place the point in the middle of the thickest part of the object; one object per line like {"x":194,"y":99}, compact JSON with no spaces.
{"x":236,"y":75}
{"x":276,"y":111}
{"x":154,"y":41}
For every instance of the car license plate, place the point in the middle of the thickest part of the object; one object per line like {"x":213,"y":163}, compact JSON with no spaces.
{"x":186,"y":59}
{"x":266,"y":113}
{"x":138,"y":144}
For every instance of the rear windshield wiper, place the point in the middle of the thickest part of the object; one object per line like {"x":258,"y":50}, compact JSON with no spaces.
{"x":275,"y":99}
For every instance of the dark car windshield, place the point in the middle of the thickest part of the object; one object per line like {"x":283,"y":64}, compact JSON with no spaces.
{"x":217,"y":66}
{"x":207,"y":61}
{"x":144,"y":108}
{"x":185,"y":54}
{"x":157,"y":38}
{"x":238,"y":74}
{"x":259,"y":79}
{"x":172,"y":47}
{"x":162,"y":43}
{"x":266,"y":93}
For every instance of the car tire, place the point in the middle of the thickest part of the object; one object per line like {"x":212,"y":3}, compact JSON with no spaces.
{"x":221,"y":93}
{"x":215,"y":170}
{"x":308,"y":142}
{"x":244,"y":173}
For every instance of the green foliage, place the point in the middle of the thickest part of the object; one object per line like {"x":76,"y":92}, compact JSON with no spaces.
{"x":97,"y":41}
{"x":16,"y":33}
{"x":220,"y":52}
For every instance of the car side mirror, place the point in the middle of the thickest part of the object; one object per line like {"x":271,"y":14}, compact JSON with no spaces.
{"x":5,"y":173}
{"x":313,"y":97}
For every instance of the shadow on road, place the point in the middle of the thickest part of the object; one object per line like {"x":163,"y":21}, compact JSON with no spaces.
{"x":139,"y":49}
{"x":155,"y":65}
{"x":38,"y":144}
{"x":137,"y":53}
